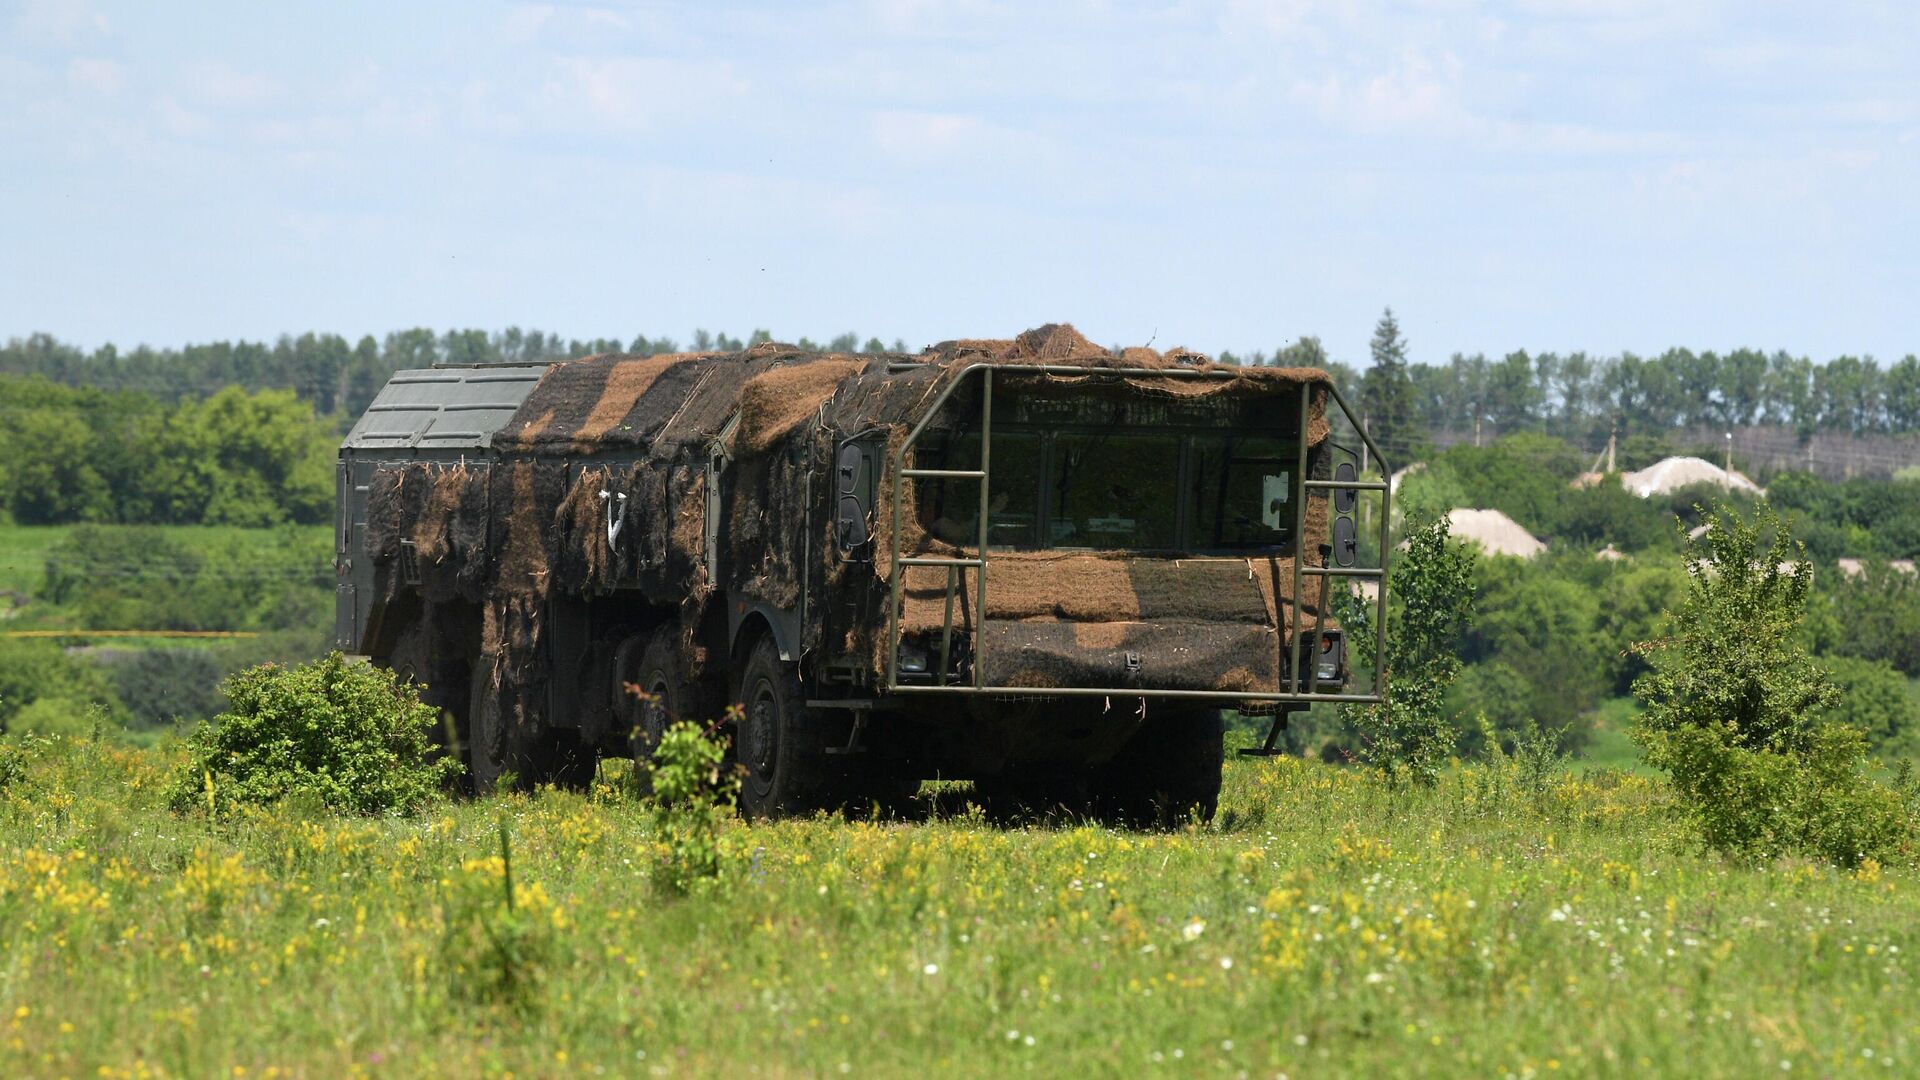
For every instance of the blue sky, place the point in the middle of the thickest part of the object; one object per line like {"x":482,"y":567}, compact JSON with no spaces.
{"x":1540,"y":174}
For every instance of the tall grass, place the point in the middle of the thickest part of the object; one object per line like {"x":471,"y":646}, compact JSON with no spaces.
{"x":1326,"y":924}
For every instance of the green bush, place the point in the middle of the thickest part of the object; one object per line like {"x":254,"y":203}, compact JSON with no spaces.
{"x":36,"y":671}
{"x":1873,"y":615}
{"x":1732,"y":705}
{"x":1543,"y":624}
{"x":1760,"y":804}
{"x":1524,"y":476}
{"x":349,"y":736}
{"x":1607,"y":513}
{"x":1876,"y":702}
{"x":13,"y":766}
{"x":161,"y":686}
{"x":693,"y":795}
{"x":58,"y":716}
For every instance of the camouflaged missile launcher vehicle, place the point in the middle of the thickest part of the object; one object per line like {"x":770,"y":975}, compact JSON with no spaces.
{"x":567,"y":557}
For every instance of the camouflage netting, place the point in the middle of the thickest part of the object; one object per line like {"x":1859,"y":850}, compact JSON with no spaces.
{"x":531,"y":524}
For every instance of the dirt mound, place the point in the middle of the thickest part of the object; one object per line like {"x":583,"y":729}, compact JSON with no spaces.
{"x":1495,"y":532}
{"x":1669,"y":475}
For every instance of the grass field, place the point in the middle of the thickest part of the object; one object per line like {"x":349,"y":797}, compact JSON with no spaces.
{"x":1325,"y":925}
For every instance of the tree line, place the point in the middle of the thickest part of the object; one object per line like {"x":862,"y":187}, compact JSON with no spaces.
{"x":237,"y":457}
{"x":1581,"y":397}
{"x":338,"y":377}
{"x":1577,"y":395}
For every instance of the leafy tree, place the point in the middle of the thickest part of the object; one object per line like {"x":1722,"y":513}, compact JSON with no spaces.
{"x":1874,"y":615}
{"x":1523,"y":475}
{"x":245,"y":459}
{"x":1305,"y":351}
{"x":42,"y":673}
{"x":1876,"y":701}
{"x":1607,"y":513}
{"x":1432,"y":597}
{"x":1544,"y":626}
{"x":161,"y":686}
{"x":1733,"y":660}
{"x":1733,"y":702}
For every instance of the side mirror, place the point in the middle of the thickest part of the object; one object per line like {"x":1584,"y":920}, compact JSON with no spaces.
{"x":1346,"y":542}
{"x":853,"y":498}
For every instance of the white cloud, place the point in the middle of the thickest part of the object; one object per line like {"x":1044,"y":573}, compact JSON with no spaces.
{"x":1418,"y":94}
{"x":218,"y":84}
{"x":96,"y":74}
{"x":177,"y":119}
{"x":1279,"y":17}
{"x":527,"y":22}
{"x":65,"y":21}
{"x":635,"y":93}
{"x":921,"y":138}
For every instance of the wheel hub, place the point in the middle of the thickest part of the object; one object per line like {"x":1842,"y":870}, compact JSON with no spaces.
{"x":758,"y":738}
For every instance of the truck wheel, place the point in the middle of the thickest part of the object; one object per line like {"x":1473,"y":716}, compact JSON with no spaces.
{"x":778,"y":741}
{"x":658,"y":677}
{"x":496,"y":747}
{"x":442,"y":681}
{"x":487,"y":755}
{"x":1033,"y":793}
{"x":1167,"y":771}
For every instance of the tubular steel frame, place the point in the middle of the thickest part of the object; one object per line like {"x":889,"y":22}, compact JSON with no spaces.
{"x":957,"y":568}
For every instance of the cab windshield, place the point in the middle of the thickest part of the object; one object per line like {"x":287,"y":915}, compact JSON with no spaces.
{"x":1114,"y":488}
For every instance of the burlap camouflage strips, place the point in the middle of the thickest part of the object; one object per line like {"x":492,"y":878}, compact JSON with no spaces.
{"x":630,"y":439}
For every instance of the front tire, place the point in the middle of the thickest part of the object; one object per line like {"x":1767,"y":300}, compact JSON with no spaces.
{"x":1168,"y":771}
{"x":778,"y":742}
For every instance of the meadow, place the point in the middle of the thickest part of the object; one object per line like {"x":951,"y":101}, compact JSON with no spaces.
{"x":1507,"y":922}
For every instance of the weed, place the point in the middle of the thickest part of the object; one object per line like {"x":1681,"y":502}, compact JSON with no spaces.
{"x":499,"y":938}
{"x":691,"y":801}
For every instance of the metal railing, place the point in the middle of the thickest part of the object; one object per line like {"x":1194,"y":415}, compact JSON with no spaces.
{"x":957,"y":567}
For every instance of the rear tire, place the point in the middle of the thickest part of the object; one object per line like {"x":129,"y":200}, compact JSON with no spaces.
{"x":778,"y":742}
{"x":1169,"y":771}
{"x":496,"y":746}
{"x":665,"y":699}
{"x":441,"y":675}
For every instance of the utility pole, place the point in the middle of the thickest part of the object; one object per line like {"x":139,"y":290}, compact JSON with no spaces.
{"x":1729,"y":452}
{"x":1613,"y":436}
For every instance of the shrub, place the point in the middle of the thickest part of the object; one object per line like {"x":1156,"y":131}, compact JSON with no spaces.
{"x":348,"y":736}
{"x":1732,"y":702}
{"x":1759,"y":804}
{"x":693,"y":794}
{"x":160,"y":686}
{"x":31,"y":672}
{"x":13,"y":766}
{"x":1432,"y":599}
{"x":57,"y":716}
{"x":1876,"y":702}
{"x":1607,"y":513}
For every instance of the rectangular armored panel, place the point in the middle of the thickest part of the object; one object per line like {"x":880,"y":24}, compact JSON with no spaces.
{"x":444,"y":408}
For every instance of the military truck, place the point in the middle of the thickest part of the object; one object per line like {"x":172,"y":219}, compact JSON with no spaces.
{"x":1037,"y":563}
